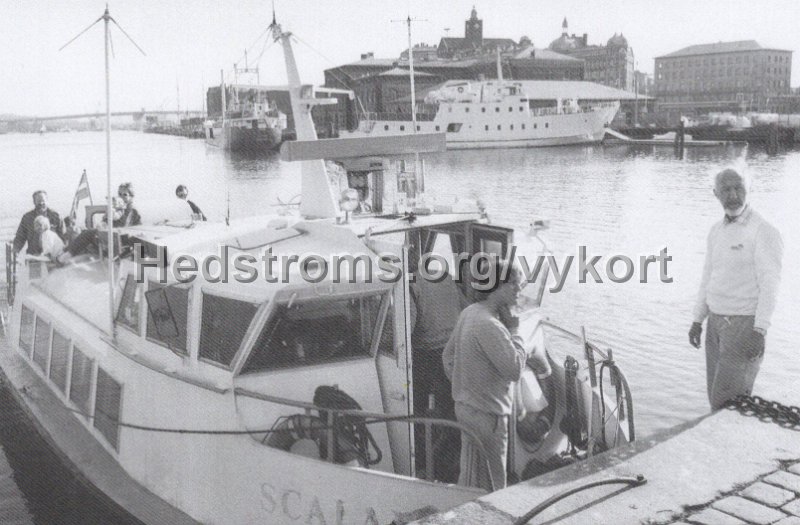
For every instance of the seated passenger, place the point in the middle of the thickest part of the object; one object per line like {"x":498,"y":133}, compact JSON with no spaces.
{"x":182,"y":192}
{"x":51,"y":243}
{"x":125,"y":214}
{"x":71,"y":230}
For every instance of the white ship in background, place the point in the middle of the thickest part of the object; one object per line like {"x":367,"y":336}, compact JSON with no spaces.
{"x":497,"y":114}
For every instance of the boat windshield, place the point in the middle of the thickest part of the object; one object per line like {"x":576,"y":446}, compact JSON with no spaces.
{"x":318,"y":331}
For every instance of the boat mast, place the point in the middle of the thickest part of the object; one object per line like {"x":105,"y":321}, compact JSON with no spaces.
{"x":109,"y":206}
{"x":499,"y":65}
{"x":411,"y":72}
{"x":106,"y":18}
{"x":222,"y":97}
{"x":417,"y":165}
{"x":318,"y":199}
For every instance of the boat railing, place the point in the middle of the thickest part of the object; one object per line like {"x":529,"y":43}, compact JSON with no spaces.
{"x":370,"y":418}
{"x":575,"y":337}
{"x":11,"y":273}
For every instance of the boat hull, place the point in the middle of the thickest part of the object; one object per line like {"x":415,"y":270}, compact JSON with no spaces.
{"x":238,"y":138}
{"x":523,"y":129}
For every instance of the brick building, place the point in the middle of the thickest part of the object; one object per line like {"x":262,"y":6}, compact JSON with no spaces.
{"x":726,"y":76}
{"x":610,"y":65}
{"x":376,"y":80}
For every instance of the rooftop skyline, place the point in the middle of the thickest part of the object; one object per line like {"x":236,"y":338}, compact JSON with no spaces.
{"x":188,"y":43}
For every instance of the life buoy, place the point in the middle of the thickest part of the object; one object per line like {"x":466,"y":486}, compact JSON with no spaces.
{"x":350,"y":429}
{"x":460,"y":89}
{"x":307,"y":435}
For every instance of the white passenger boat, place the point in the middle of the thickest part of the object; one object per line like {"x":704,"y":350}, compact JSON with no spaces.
{"x":251,"y":401}
{"x":496,"y":114}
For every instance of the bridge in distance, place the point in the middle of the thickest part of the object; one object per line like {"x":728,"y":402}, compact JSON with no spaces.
{"x":137,"y":115}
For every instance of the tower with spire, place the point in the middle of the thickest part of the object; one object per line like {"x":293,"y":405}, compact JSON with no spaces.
{"x":473,"y":30}
{"x":564,"y":27}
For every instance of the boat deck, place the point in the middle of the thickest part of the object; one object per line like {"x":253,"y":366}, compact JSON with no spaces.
{"x":723,"y":468}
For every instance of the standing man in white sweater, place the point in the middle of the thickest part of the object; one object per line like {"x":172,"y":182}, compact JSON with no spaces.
{"x":737,"y":293}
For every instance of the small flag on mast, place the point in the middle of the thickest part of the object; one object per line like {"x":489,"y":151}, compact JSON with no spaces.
{"x":81,"y":193}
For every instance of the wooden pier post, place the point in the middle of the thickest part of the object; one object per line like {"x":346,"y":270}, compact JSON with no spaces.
{"x":772,"y":139}
{"x":679,"y":145}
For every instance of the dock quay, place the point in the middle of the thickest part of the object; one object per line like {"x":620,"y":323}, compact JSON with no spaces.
{"x":615,"y":137}
{"x":723,"y":468}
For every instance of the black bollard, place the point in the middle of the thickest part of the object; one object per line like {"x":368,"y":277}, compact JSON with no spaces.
{"x":772,"y":139}
{"x":679,"y":145}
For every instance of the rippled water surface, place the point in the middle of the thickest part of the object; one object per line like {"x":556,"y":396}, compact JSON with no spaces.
{"x":613,"y":200}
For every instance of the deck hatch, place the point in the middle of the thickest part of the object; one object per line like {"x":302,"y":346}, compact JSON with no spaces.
{"x":81,"y":384}
{"x":26,"y":330}
{"x":59,"y":360}
{"x":224,"y":325}
{"x":107,"y":407}
{"x":41,"y":344}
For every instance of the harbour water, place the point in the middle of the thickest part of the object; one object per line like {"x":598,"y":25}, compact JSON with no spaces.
{"x":619,"y":200}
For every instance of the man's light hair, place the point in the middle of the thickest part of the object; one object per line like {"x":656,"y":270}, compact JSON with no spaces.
{"x":42,"y":221}
{"x":739,"y":169}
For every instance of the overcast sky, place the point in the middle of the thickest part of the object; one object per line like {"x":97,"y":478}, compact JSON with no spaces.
{"x":188,"y":42}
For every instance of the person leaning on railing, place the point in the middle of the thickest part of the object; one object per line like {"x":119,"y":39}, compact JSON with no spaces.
{"x":26,"y":233}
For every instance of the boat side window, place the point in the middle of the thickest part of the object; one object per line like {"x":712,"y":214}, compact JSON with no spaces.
{"x":497,"y":110}
{"x":466,"y":109}
{"x":128,"y":312}
{"x":81,"y":384}
{"x":547,"y":124}
{"x":108,"y":398}
{"x":224,"y":324}
{"x":41,"y":343}
{"x":535,"y":125}
{"x":59,"y":360}
{"x":402,"y":128}
{"x":437,"y":127}
{"x":316,"y":331}
{"x":486,"y":127}
{"x":178,"y":300}
{"x":523,"y":126}
{"x":483,"y":110}
{"x":386,"y":127}
{"x":26,"y":329}
{"x":454,"y":127}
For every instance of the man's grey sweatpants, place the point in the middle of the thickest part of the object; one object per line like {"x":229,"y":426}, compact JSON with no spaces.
{"x":733,"y":356}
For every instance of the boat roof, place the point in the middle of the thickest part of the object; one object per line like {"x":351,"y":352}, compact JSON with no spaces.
{"x":83,"y":286}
